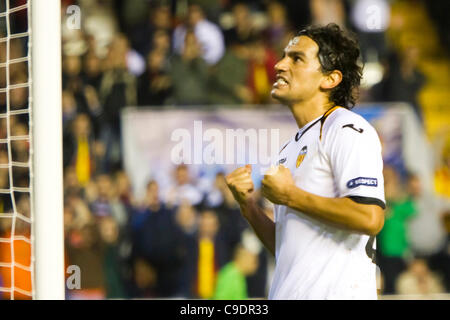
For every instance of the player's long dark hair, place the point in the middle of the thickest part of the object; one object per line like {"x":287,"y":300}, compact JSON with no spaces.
{"x":338,"y":51}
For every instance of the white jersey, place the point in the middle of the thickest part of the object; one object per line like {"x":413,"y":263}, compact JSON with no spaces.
{"x":337,"y":155}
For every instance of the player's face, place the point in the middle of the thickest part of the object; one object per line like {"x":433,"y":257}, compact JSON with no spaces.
{"x":298,"y":73}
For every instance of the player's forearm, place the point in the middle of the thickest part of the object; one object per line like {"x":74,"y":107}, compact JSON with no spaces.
{"x":263,"y":226}
{"x":339,"y":212}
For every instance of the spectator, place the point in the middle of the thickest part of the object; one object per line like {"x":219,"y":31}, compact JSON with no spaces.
{"x":107,"y":203}
{"x":243,"y":30}
{"x":92,"y":70}
{"x":183,"y":189}
{"x":155,"y":84}
{"x":147,"y":35}
{"x":87,"y":253}
{"x":76,"y":96}
{"x":145,"y":280}
{"x":161,"y":17}
{"x":159,"y":241}
{"x":231,"y":283}
{"x":442,"y":174}
{"x":79,"y":148}
{"x":78,"y":216}
{"x":132,"y":14}
{"x":393,"y":241}
{"x":161,"y":41}
{"x":426,"y":230}
{"x":71,"y":184}
{"x":99,"y":21}
{"x":113,"y":264}
{"x":162,"y":29}
{"x":124,"y":190}
{"x":189,"y":74}
{"x":221,"y":200}
{"x":83,"y":100}
{"x":94,"y":109}
{"x":418,"y":280}
{"x":151,"y":202}
{"x":71,"y":74}
{"x":209,"y":35}
{"x":211,"y":8}
{"x":324,"y":12}
{"x":209,"y":254}
{"x":186,"y":218}
{"x":278,"y":29}
{"x":118,"y":89}
{"x":229,"y":77}
{"x":262,"y":71}
{"x":257,"y":282}
{"x":69,"y":109}
{"x":402,"y":80}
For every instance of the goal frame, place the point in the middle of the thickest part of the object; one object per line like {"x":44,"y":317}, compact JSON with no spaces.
{"x":47,"y":169}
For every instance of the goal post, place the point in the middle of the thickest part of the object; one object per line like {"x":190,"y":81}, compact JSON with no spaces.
{"x":47,"y":169}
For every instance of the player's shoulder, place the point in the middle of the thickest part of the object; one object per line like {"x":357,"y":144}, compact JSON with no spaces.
{"x":343,"y":121}
{"x":343,"y":115}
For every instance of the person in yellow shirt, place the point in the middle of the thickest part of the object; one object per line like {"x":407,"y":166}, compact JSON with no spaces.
{"x":442,"y":174}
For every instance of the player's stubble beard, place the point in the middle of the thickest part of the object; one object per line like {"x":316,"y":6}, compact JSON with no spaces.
{"x":282,"y":99}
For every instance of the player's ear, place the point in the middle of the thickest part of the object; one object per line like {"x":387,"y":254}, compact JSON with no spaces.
{"x":331,"y":80}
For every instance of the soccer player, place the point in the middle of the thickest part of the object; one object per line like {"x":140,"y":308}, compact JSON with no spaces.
{"x":327,"y":188}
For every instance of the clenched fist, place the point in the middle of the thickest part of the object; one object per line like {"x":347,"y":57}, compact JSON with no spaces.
{"x":277,"y":183}
{"x":241,"y":184}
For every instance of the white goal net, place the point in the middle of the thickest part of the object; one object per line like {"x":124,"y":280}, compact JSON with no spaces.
{"x":16,"y":214}
{"x":31,"y":223}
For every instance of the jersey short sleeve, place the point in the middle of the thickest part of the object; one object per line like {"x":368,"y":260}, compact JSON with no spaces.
{"x":354,"y":151}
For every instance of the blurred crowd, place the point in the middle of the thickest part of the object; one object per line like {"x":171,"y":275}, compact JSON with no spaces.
{"x":413,"y":249}
{"x":191,"y":242}
{"x":178,"y":244}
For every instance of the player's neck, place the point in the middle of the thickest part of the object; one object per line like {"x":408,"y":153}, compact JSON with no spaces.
{"x":306,"y":111}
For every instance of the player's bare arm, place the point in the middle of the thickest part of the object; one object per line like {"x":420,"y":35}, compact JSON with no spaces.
{"x":241,"y":185}
{"x":278,"y":186}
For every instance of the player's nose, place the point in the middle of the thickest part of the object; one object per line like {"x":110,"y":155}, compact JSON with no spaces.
{"x":281,"y":65}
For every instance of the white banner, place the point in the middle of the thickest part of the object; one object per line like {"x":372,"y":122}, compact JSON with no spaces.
{"x":155,"y":141}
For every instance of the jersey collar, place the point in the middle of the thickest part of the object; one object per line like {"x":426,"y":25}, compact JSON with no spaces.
{"x":312,"y":123}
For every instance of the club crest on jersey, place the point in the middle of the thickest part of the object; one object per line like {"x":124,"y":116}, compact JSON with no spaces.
{"x":301,"y":156}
